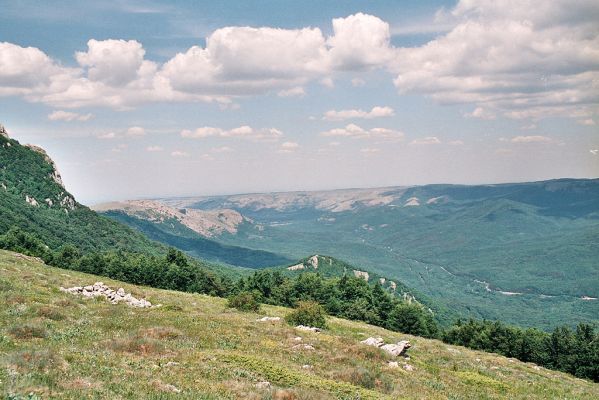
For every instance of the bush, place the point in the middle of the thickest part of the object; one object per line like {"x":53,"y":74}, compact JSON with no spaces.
{"x":308,"y":313}
{"x":28,"y":331}
{"x":244,"y":301}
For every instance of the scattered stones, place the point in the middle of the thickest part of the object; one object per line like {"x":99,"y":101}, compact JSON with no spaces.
{"x":171,"y":364}
{"x":306,"y":366}
{"x":408,"y":367}
{"x":395,"y":349}
{"x":170,"y":388}
{"x":297,"y":339}
{"x":308,"y":328}
{"x":263,"y":385}
{"x":266,"y":319}
{"x":100,"y":289}
{"x":393,"y":364}
{"x":537,"y":368}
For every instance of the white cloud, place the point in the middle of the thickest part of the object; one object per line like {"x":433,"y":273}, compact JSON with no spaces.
{"x":376,"y":112}
{"x":481,"y":113}
{"x":109,"y":135}
{"x":327,"y":82}
{"x":456,"y":143}
{"x":531,"y":139}
{"x":179,"y":153}
{"x":525,"y":58}
{"x":288,"y":147}
{"x":114,"y":62}
{"x":245,"y":131}
{"x":296,"y":91}
{"x":426,"y":141}
{"x":594,"y":151}
{"x":587,"y":122}
{"x":136,"y":131}
{"x":67,"y":116}
{"x":154,"y":149}
{"x":355,"y":131}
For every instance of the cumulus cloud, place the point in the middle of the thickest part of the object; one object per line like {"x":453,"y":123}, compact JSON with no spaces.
{"x":480,"y":113}
{"x":154,"y":149}
{"x":426,"y":140}
{"x":523,"y":59}
{"x":531,"y":139}
{"x":67,"y":116}
{"x":245,"y":131}
{"x":108,"y":135}
{"x":587,"y":122}
{"x":297,"y":91}
{"x":358,"y":82}
{"x":355,"y":131}
{"x":594,"y":151}
{"x":136,"y":131}
{"x":540,"y":58}
{"x":179,"y":153}
{"x":288,"y":147}
{"x":376,"y":112}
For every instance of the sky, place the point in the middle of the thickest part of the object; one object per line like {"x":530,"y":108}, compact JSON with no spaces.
{"x":140,"y":99}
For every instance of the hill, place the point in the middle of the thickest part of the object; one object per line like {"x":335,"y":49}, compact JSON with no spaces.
{"x":57,"y":345}
{"x":525,"y":253}
{"x":34,"y":199}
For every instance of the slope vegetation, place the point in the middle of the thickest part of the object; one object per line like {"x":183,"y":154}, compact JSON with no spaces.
{"x":57,"y":345}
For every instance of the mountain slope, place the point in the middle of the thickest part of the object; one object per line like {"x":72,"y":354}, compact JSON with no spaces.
{"x":525,"y":253}
{"x":57,"y":345}
{"x":33,"y":198}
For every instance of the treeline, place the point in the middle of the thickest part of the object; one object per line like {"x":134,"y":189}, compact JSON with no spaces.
{"x":347,"y":297}
{"x":174,"y":271}
{"x":573,"y":351}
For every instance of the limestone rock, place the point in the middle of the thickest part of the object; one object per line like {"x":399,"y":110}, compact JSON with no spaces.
{"x":372,"y":341}
{"x":397,"y":349}
{"x":100,"y":289}
{"x":308,"y":328}
{"x":267,"y":319}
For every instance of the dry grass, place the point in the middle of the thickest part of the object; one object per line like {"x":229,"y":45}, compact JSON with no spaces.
{"x":193,"y":345}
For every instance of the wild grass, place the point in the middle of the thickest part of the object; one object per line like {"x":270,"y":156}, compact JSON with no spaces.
{"x":195,"y":347}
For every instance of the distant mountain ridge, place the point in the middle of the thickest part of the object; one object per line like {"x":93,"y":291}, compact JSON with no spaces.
{"x":507,"y":251}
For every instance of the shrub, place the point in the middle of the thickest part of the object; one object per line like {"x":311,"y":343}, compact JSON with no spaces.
{"x":244,"y":301}
{"x":28,"y":331}
{"x":308,"y":313}
{"x":50,"y":313}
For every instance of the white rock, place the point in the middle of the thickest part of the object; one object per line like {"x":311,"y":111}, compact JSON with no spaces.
{"x":393,"y":364}
{"x":308,"y":328}
{"x":263,"y":385}
{"x":266,"y":319}
{"x":396,"y":349}
{"x":408,"y":367}
{"x":372,"y":341}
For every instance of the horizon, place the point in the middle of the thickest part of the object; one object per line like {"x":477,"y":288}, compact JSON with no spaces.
{"x":166,"y":99}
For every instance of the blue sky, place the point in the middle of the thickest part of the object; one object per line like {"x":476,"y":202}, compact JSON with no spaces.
{"x":143,"y":99}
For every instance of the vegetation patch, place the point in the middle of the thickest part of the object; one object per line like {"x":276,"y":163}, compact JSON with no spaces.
{"x":244,"y":301}
{"x":28,"y":331}
{"x":308,"y":313}
{"x":50,"y":313}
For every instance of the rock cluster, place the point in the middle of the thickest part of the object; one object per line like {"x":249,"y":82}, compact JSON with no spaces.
{"x":395,"y":349}
{"x":114,"y":296}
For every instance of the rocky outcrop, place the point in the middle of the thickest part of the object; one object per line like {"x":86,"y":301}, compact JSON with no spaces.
{"x":312,"y":262}
{"x":3,"y":132}
{"x":31,"y":200}
{"x":269,"y":319}
{"x":361,"y":274}
{"x":395,"y":349}
{"x":99,"y":289}
{"x":55,"y":175}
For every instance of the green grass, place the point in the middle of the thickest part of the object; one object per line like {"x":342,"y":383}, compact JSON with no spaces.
{"x":84,"y":348}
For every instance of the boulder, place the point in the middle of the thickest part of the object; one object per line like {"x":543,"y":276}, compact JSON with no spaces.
{"x":308,"y":328}
{"x":266,"y":319}
{"x":397,"y":349}
{"x":372,"y":341}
